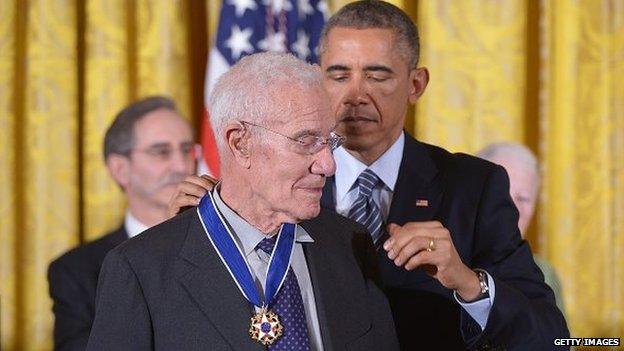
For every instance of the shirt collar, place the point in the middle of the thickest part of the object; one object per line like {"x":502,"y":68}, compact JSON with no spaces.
{"x":133,"y":226}
{"x":348,"y":168}
{"x":247,"y":235}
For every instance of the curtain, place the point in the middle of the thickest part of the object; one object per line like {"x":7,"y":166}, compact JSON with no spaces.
{"x":544,"y":73}
{"x":66,"y":68}
{"x":582,"y":149}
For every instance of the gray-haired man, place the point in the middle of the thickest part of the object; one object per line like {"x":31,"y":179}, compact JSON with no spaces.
{"x":458,"y":274}
{"x":258,"y":263}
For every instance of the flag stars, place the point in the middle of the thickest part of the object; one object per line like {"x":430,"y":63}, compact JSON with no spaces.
{"x":302,"y":45}
{"x":242,"y":6}
{"x":274,"y":42}
{"x":322,"y":7}
{"x":238,"y":41}
{"x":277,"y":6}
{"x":305,"y":8}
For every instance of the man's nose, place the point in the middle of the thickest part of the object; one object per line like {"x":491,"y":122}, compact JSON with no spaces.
{"x":357,"y":92}
{"x":324,"y":163}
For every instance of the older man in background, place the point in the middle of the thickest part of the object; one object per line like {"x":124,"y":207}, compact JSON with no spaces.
{"x":148,"y":150}
{"x":524,"y":183}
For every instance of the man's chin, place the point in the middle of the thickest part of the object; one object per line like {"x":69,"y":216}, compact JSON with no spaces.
{"x":358,"y":143}
{"x":305,"y":211}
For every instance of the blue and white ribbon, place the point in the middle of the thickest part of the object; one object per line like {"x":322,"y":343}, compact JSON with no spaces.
{"x":232,"y":256}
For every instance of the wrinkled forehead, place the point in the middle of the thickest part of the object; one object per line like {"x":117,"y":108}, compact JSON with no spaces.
{"x":305,"y":107}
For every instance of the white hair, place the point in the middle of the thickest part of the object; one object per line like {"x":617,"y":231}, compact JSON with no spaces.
{"x":515,"y":151}
{"x":253,"y":89}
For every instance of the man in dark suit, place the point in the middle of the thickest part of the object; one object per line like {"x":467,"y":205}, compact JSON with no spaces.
{"x":458,"y":274}
{"x":449,"y":215}
{"x":257,"y":263}
{"x":148,"y":149}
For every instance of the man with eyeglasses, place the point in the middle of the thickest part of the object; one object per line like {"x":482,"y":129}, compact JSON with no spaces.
{"x":457,"y":273}
{"x":148,"y":150}
{"x":257,"y":264}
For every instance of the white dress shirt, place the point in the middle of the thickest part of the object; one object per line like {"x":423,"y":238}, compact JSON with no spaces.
{"x":386,"y":167}
{"x":133,"y":226}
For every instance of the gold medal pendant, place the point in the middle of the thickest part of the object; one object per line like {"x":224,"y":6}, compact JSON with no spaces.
{"x":265,"y":327}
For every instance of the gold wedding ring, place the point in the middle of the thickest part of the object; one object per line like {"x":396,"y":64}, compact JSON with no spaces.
{"x":431,"y":246}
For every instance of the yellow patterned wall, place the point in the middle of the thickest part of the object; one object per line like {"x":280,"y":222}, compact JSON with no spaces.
{"x":8,"y":193}
{"x":582,"y":148}
{"x":48,"y":152}
{"x":107,"y":87}
{"x":162,"y":50}
{"x":476,"y":59}
{"x":546,"y":73}
{"x":66,"y":68}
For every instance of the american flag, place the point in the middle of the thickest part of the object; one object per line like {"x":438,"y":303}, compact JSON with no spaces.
{"x":250,"y":26}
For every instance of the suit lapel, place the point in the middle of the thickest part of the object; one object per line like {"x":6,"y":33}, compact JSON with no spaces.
{"x":340,"y":304}
{"x":418,"y":191}
{"x":417,"y":197}
{"x":209,"y":284}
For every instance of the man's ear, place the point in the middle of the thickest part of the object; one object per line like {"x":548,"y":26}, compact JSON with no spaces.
{"x":419,"y":78}
{"x":238,"y":141}
{"x":119,"y":168}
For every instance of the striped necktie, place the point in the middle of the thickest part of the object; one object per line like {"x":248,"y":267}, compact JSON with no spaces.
{"x":364,"y":210}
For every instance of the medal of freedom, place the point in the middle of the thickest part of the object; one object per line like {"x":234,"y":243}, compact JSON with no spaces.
{"x":265,"y":327}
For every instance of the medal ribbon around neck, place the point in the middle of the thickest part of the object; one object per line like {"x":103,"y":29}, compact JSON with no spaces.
{"x":232,"y":256}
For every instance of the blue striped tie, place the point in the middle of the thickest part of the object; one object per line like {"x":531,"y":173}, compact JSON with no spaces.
{"x":364,"y":210}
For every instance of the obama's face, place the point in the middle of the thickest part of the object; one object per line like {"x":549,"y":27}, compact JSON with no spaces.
{"x":370,"y":85}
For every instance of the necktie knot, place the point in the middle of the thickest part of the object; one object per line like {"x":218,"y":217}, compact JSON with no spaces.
{"x":267,"y":244}
{"x":366,"y":182}
{"x":365,"y":210}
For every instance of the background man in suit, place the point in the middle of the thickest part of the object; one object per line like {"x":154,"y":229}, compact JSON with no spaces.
{"x":449,"y":215}
{"x":524,"y":183}
{"x":176,"y":287}
{"x":148,"y":150}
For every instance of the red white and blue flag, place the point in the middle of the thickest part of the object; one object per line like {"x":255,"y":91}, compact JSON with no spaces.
{"x":251,"y":26}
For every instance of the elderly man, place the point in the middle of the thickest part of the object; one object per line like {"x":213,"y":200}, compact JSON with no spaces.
{"x":524,"y":183}
{"x":148,"y":150}
{"x":258,"y":263}
{"x":457,"y":272}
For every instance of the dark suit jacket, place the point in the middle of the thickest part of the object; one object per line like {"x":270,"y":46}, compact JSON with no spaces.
{"x":470,"y":197}
{"x":167,"y":289}
{"x":73,"y":279}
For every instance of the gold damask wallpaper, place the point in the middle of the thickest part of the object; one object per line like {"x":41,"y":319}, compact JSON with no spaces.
{"x":582,"y":148}
{"x":46,"y":145}
{"x":477,"y":64}
{"x":108,"y":85}
{"x":545,"y":73}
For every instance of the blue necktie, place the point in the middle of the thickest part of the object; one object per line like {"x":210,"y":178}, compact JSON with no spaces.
{"x":288,"y":305}
{"x":364,"y":210}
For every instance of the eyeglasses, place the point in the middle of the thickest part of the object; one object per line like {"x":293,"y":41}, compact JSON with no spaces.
{"x":309,"y":144}
{"x":164,"y":152}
